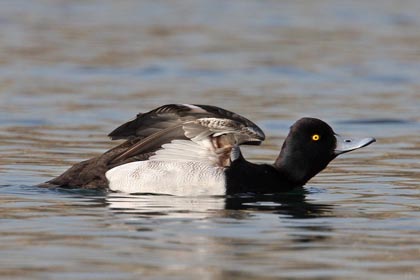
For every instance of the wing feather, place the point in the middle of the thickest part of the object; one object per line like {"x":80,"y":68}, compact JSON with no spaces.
{"x":216,"y":129}
{"x":174,"y":114}
{"x":186,"y":150}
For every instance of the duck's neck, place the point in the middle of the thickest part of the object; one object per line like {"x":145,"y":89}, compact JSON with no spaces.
{"x":294,"y":171}
{"x":297,"y":166}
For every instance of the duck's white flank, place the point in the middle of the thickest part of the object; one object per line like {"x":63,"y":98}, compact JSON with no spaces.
{"x":183,"y":178}
{"x":181,"y":167}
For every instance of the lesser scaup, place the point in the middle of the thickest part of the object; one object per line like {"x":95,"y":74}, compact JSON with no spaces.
{"x":184,"y":149}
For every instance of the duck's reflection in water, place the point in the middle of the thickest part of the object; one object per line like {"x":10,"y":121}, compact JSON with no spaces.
{"x":211,"y":237}
{"x":291,"y":204}
{"x":290,"y":209}
{"x":303,"y":221}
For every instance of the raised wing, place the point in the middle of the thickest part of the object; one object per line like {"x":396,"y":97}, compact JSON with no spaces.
{"x":201,"y":124}
{"x":171,"y":115}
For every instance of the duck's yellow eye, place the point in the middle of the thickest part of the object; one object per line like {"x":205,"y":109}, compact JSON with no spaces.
{"x":315,"y":137}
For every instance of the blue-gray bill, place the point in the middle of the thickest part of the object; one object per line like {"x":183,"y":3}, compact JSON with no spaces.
{"x":347,"y":144}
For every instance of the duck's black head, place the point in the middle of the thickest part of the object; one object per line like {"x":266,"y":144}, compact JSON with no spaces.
{"x":310,"y":146}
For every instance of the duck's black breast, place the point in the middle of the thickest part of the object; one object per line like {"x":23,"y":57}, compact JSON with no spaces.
{"x":246,"y":177}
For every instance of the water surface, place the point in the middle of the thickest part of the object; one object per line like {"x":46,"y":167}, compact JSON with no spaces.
{"x":70,"y":72}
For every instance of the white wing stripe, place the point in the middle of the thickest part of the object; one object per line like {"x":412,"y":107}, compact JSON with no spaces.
{"x":186,"y":150}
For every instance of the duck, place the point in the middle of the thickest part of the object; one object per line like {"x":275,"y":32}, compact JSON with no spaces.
{"x":193,"y":150}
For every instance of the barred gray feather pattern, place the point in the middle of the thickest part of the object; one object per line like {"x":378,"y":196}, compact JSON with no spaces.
{"x":186,"y":122}
{"x":174,"y":114}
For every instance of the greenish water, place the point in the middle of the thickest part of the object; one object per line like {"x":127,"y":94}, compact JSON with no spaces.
{"x":70,"y":72}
